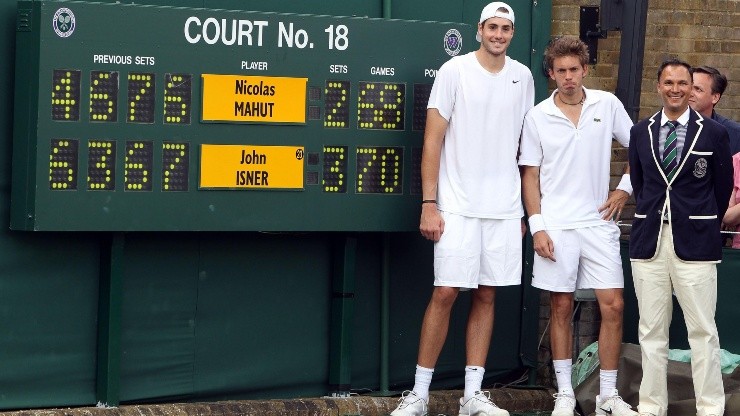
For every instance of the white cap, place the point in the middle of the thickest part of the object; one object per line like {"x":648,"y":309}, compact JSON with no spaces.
{"x":492,"y":11}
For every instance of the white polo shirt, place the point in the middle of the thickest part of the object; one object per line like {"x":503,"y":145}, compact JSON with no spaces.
{"x":574,"y":160}
{"x":478,"y":173}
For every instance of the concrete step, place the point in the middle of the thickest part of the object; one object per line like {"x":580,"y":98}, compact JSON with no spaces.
{"x":515,"y":400}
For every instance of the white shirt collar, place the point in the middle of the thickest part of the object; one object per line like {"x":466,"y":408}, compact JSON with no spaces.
{"x":683,"y":119}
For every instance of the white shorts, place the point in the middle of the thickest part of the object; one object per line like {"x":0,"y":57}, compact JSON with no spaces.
{"x":586,"y":258}
{"x":478,"y":251}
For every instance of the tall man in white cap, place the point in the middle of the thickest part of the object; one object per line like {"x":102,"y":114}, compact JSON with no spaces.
{"x":471,"y":205}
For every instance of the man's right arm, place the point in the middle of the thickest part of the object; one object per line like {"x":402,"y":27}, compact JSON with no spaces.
{"x":431,"y":224}
{"x":542,"y":243}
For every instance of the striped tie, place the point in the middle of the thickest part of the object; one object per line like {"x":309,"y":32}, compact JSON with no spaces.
{"x":670,"y":164}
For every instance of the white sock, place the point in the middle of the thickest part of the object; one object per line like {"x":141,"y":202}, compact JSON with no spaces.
{"x":607,"y":383}
{"x":563,"y":371}
{"x":473,"y":380}
{"x":422,"y":380}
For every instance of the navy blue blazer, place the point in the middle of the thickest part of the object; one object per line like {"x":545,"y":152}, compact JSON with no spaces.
{"x":695,"y":199}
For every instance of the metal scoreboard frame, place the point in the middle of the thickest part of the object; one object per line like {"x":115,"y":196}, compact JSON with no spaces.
{"x":154,"y":118}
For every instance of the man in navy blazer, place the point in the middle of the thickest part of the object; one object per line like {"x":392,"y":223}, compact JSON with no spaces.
{"x":681,"y":172}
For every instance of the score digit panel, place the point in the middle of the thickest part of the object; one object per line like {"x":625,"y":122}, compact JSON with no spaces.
{"x":141,"y":87}
{"x":282,"y":123}
{"x":379,"y":170}
{"x":104,"y":96}
{"x":336,"y":109}
{"x":65,"y":95}
{"x":178,"y":98}
{"x":381,"y":106}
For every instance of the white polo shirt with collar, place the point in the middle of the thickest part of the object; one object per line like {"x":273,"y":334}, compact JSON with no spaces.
{"x":574,"y":160}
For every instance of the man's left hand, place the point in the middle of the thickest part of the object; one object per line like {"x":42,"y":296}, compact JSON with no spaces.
{"x":612,"y":208}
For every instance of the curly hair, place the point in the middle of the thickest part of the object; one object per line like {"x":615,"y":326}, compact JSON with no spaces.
{"x":565,"y":46}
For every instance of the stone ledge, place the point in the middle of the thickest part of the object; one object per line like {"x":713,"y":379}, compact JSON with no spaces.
{"x":515,"y":400}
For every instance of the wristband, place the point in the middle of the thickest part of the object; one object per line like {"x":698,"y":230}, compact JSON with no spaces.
{"x":625,"y":184}
{"x":428,"y":201}
{"x":536,"y":223}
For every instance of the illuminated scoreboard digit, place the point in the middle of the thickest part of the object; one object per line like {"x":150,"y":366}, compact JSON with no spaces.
{"x":63,"y":158}
{"x":104,"y":96}
{"x":379,"y":170}
{"x":65,"y":95}
{"x":175,"y":163}
{"x":101,"y":165}
{"x":137,"y":173}
{"x":421,"y":99}
{"x":177,"y":98}
{"x":380,"y":106}
{"x":140,"y":98}
{"x":336,"y":104}
{"x":335,"y":169}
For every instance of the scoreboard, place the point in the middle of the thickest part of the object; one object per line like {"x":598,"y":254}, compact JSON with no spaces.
{"x":153,"y":118}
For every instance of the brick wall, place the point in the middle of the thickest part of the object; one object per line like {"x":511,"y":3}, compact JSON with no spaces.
{"x":701,"y":32}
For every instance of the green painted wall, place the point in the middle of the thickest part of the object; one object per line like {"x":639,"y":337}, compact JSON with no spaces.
{"x":218,"y":315}
{"x":208,"y":316}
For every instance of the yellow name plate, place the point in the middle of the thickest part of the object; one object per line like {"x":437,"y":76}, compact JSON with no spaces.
{"x":239,"y":98}
{"x":251,"y":167}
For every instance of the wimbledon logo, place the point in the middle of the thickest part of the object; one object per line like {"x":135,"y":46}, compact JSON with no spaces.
{"x":64,"y":22}
{"x":453,"y":42}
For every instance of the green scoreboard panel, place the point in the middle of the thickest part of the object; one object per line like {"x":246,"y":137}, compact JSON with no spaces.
{"x":151,"y":118}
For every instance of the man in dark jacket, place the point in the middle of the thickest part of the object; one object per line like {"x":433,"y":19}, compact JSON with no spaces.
{"x":709,"y":85}
{"x":681,"y":172}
